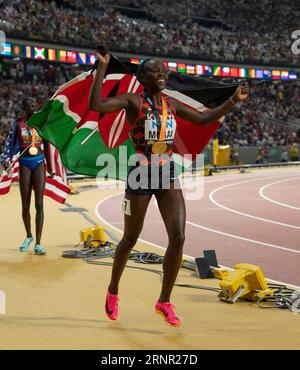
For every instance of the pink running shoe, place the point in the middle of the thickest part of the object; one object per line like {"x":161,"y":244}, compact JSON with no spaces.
{"x":165,"y":309}
{"x":111,"y":306}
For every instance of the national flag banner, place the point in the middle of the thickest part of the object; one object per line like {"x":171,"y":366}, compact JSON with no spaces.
{"x":243,"y":72}
{"x":28,"y":51}
{"x":135,"y":61}
{"x":190,"y":69}
{"x":199,"y":70}
{"x":71,"y":56}
{"x":284,"y":75}
{"x":81,"y":58}
{"x":259,"y":73}
{"x":6,"y":178}
{"x":267,"y":73}
{"x":52,"y":55}
{"x":56,"y":187}
{"x":172,"y":66}
{"x":216,"y":71}
{"x":6,"y":49}
{"x":234,"y":72}
{"x":61,"y":55}
{"x":275,"y":75}
{"x":17,"y":50}
{"x":226,"y":71}
{"x":252,"y":73}
{"x":39,"y":53}
{"x":293,"y":76}
{"x":181,"y":67}
{"x":82,"y":135}
{"x":91,"y":59}
{"x":208,"y":70}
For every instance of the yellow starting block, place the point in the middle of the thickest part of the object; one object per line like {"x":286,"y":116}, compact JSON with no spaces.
{"x":93,"y":237}
{"x":220,"y":273}
{"x":246,"y":281}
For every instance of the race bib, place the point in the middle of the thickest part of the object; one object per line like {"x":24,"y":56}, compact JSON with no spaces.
{"x":126,"y":208}
{"x":151,"y":131}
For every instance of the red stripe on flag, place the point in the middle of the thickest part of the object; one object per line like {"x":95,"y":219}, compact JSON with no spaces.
{"x":8,"y":178}
{"x":58,"y":184}
{"x":5,"y":184}
{"x":128,"y":83}
{"x":191,"y":138}
{"x":56,"y":188}
{"x":54,"y":196}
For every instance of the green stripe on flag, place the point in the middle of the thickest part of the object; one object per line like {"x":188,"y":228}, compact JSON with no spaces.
{"x":79,"y":153}
{"x":53,"y":124}
{"x":82,"y":158}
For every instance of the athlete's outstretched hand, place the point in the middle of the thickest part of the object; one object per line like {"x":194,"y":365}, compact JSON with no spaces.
{"x":103,"y":59}
{"x":241,"y":93}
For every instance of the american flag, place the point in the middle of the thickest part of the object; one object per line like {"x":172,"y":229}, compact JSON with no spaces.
{"x":6,"y":178}
{"x":56,"y":187}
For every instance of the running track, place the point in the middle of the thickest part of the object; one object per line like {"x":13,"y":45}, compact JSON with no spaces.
{"x":252,"y":218}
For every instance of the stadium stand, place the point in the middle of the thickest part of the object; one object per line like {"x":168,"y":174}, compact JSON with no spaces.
{"x":216,"y":32}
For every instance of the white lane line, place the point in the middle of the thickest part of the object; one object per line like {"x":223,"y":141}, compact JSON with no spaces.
{"x":262,"y":189}
{"x":211,"y":198}
{"x":186,"y":255}
{"x":253,"y":177}
{"x":209,"y":180}
{"x":234,"y":236}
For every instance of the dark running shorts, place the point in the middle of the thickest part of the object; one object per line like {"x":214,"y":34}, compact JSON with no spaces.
{"x":149,"y":180}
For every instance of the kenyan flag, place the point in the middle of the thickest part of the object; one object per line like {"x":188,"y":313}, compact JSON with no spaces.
{"x":82,"y":135}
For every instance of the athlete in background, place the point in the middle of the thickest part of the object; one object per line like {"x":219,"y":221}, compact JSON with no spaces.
{"x":32,"y":174}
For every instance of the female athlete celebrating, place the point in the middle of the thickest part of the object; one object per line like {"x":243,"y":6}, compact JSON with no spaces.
{"x":152,"y":143}
{"x":31,"y":172}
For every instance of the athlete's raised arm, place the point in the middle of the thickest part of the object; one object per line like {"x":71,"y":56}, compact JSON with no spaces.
{"x":211,"y":115}
{"x":108,"y":105}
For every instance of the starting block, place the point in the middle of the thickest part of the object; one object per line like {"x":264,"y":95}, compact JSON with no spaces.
{"x":207,"y":266}
{"x":92,"y":237}
{"x":245,"y":281}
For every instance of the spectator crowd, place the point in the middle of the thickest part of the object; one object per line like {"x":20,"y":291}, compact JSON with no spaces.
{"x":260,"y":120}
{"x":37,"y":79}
{"x":246,"y":31}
